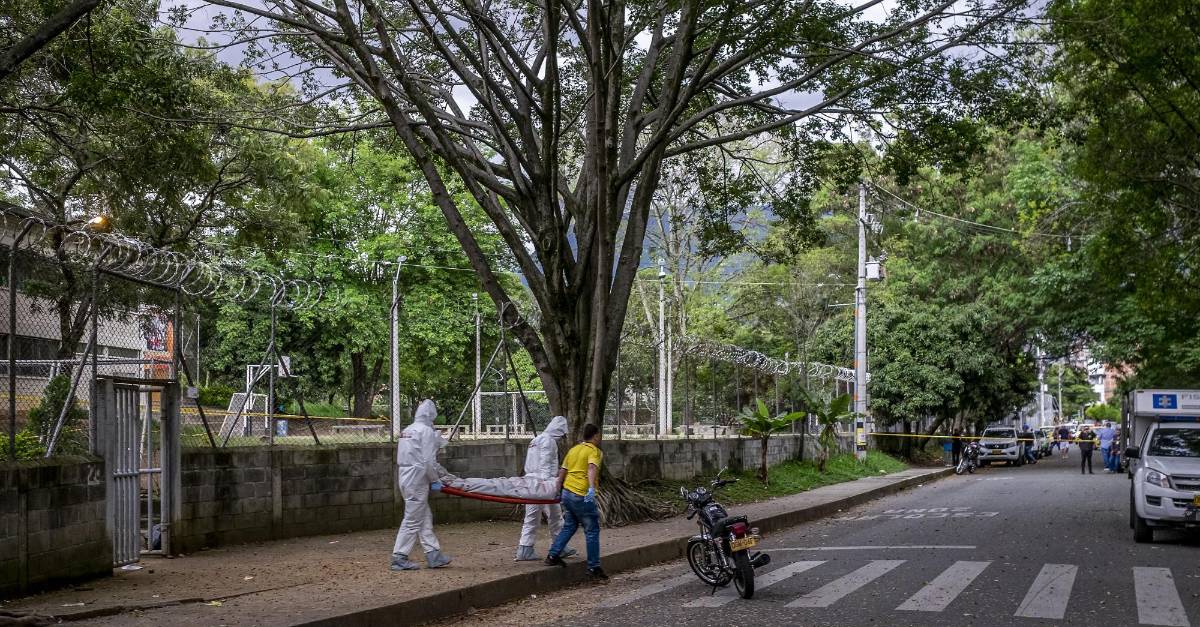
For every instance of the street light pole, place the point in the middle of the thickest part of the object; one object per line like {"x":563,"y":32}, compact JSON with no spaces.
{"x":860,"y":332}
{"x":394,"y":379}
{"x":1041,"y":387}
{"x":664,"y":419}
{"x":1060,"y":405}
{"x":476,"y":404}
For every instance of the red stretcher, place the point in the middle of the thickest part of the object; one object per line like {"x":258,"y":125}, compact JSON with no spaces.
{"x":497,"y":499}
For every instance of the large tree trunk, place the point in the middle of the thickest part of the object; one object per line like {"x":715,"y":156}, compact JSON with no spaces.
{"x":364,"y":384}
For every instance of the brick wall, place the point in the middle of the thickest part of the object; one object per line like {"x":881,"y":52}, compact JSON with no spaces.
{"x":52,"y":524}
{"x":251,"y":494}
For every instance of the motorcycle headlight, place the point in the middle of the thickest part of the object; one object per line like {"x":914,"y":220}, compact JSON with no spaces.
{"x":1153,"y":477}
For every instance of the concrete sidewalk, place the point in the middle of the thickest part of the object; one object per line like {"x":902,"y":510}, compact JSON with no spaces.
{"x":344,"y":580}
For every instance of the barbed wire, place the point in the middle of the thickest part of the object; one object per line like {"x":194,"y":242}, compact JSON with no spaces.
{"x":746,"y":358}
{"x":217,"y":278}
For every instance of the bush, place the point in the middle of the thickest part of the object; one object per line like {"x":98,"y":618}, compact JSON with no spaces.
{"x":72,"y":438}
{"x":28,"y":445}
{"x":215,"y":395}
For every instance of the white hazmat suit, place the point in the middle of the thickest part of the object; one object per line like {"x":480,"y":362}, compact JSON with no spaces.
{"x":416,"y":458}
{"x":541,"y":463}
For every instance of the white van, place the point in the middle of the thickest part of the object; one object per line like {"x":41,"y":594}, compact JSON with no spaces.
{"x":1164,"y":462}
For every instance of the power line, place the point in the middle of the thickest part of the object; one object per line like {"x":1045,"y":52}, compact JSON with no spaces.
{"x":980,"y":225}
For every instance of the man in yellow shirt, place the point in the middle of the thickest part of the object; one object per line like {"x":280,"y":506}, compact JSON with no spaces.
{"x":577,"y":479}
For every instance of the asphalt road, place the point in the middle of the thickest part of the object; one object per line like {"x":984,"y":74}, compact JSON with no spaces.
{"x":1034,"y":545}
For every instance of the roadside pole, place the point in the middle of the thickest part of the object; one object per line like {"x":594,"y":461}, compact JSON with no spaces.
{"x":476,"y":404}
{"x":664,"y":418}
{"x":394,"y":379}
{"x":860,"y":332}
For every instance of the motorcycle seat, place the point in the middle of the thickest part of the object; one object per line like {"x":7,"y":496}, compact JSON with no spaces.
{"x":720,"y":527}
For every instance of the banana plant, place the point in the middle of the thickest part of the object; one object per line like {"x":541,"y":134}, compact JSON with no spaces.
{"x":827,"y":414}
{"x":758,"y":422}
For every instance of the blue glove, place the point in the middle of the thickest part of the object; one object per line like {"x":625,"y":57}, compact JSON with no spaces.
{"x":590,"y":497}
{"x":436,"y":486}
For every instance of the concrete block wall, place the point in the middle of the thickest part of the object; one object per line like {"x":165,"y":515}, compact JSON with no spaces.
{"x":52,"y":524}
{"x":252,"y":494}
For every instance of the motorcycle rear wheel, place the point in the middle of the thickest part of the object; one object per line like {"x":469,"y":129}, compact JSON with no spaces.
{"x":708,"y":571}
{"x":743,"y":578}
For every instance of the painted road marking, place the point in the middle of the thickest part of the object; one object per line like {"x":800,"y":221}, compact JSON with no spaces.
{"x":918,"y":513}
{"x":831,"y":592}
{"x":938,"y":594}
{"x":957,"y":547}
{"x":760,"y":581}
{"x":1048,"y":596}
{"x":1157,"y":598}
{"x":648,"y":590}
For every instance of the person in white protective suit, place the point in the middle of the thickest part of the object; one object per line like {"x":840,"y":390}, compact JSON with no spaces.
{"x":419,"y":472}
{"x":541,"y":462}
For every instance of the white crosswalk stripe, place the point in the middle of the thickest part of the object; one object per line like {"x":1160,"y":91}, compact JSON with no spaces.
{"x":725,"y":595}
{"x":939,"y":593}
{"x":833,"y":591}
{"x":1157,"y":598}
{"x":649,"y":590}
{"x":1048,"y":596}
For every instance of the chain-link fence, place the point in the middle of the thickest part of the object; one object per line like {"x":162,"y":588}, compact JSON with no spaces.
{"x":260,"y":367}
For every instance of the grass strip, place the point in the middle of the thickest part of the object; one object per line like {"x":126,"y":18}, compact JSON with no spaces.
{"x":786,"y":479}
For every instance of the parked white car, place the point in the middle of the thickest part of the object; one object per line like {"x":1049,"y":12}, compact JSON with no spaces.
{"x":1000,"y":444}
{"x":1165,"y":473}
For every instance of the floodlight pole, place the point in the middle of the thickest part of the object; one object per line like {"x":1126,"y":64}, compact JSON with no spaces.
{"x":860,"y":332}
{"x":664,"y":417}
{"x":476,"y":399}
{"x":394,"y":379}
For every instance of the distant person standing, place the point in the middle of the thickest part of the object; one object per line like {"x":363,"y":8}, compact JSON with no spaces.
{"x":1107,"y":435}
{"x":1087,"y":444}
{"x":956,"y":446}
{"x":1064,"y":440}
{"x":1030,"y":444}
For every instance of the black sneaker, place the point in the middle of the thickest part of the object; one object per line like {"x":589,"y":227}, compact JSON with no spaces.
{"x":554,"y":560}
{"x":598,"y":574}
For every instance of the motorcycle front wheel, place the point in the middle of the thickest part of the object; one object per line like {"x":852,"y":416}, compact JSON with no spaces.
{"x":743,"y":577}
{"x":705,"y":568}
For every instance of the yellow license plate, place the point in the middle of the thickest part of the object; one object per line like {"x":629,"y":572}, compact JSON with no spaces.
{"x":1196,"y":500}
{"x":742,"y":544}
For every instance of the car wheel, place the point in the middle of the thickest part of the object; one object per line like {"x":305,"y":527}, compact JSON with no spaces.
{"x":1142,"y":532}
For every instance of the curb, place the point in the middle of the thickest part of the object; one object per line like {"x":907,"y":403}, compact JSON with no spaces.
{"x":498,"y":592}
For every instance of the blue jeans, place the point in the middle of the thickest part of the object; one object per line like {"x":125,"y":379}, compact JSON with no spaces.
{"x":578,"y":512}
{"x":1110,"y":460}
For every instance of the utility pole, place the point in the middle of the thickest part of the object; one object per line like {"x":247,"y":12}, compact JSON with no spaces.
{"x":476,"y":400}
{"x":1041,"y":387}
{"x":1060,"y":405}
{"x":664,"y":418}
{"x":860,"y":332}
{"x":394,"y":379}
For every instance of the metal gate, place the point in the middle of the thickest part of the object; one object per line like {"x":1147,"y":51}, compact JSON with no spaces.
{"x":140,"y":447}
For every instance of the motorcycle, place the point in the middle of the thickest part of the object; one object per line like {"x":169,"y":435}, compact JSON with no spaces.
{"x":720,"y":553}
{"x":968,"y":461}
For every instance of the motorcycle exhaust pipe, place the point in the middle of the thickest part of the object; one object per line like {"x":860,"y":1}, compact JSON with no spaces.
{"x":760,"y":559}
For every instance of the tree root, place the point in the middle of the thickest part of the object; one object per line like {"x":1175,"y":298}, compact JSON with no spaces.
{"x":621,"y":504}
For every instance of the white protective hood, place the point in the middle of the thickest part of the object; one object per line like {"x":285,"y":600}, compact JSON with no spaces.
{"x":541,"y":460}
{"x":417,"y":447}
